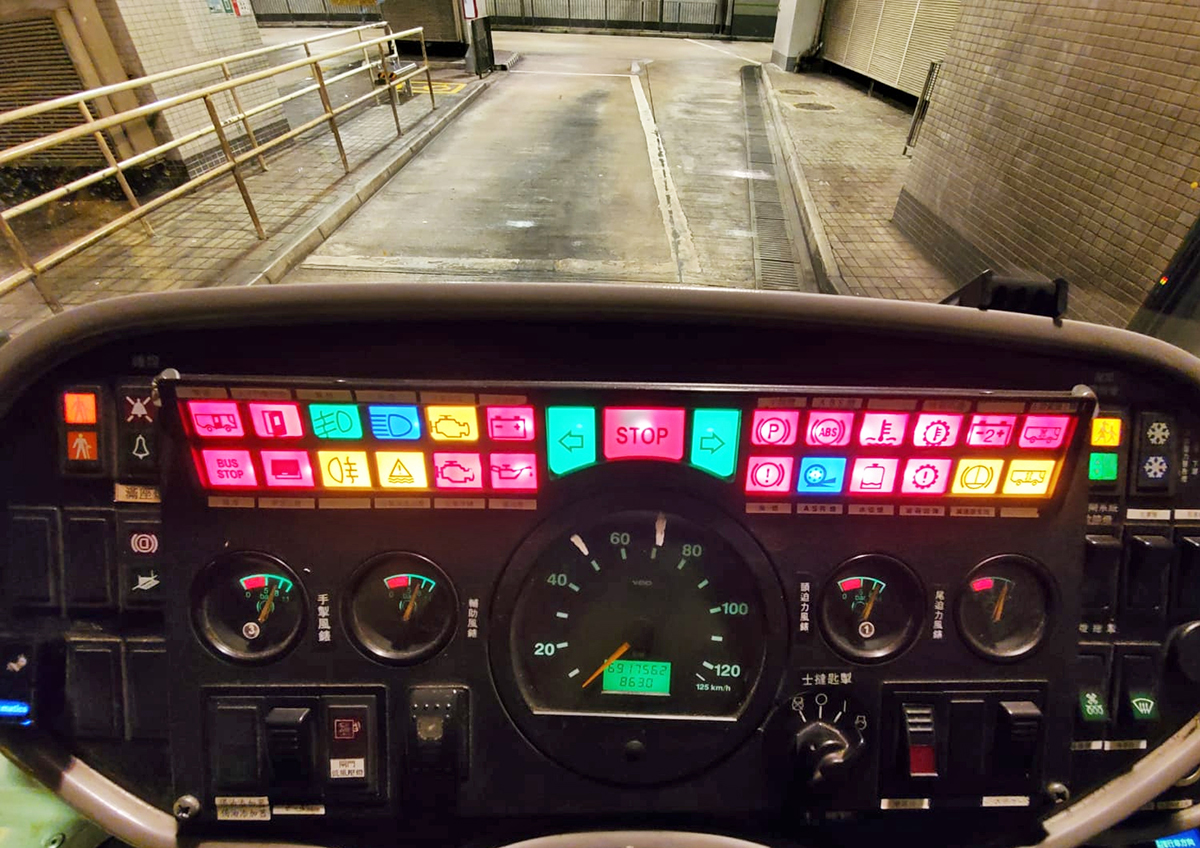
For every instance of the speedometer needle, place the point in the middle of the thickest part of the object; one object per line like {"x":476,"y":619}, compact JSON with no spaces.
{"x":616,"y":655}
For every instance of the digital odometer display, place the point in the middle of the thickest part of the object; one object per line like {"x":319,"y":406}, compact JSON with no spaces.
{"x":637,"y":678}
{"x":638,"y":613}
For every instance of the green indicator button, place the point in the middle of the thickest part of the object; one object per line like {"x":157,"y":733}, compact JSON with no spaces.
{"x":1102,"y":467}
{"x":1143,"y":706}
{"x":1092,"y":706}
{"x":715,"y":440}
{"x":335,"y":420}
{"x":570,"y":438}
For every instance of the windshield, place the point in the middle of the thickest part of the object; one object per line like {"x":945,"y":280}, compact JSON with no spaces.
{"x":892,"y":150}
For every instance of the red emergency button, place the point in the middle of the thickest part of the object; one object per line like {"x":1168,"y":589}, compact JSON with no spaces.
{"x":644,"y":433}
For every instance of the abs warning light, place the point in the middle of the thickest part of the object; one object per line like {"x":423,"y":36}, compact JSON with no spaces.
{"x":644,"y":433}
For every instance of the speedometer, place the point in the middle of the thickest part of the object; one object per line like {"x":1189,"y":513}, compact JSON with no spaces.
{"x":639,"y":636}
{"x":639,"y":613}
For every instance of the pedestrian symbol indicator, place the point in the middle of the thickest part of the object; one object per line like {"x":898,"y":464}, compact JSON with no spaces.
{"x":79,"y":407}
{"x":401,"y":469}
{"x":82,"y":446}
{"x":344,"y":469}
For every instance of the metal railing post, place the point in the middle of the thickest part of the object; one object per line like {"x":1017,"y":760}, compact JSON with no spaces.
{"x":22,"y":254}
{"x":428,"y":75}
{"x":393,"y":98}
{"x":237,"y":174}
{"x":102,"y":143}
{"x":328,"y":104}
{"x":237,"y":104}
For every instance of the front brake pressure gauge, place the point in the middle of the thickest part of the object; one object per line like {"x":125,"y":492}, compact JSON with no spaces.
{"x":248,"y":606}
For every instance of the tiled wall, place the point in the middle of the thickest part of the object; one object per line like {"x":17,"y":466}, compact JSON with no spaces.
{"x":158,"y":35}
{"x":1063,"y":138}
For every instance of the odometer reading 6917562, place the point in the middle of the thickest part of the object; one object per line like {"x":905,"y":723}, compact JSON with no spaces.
{"x":638,"y":613}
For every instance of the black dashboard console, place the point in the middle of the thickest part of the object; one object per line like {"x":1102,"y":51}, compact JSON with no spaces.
{"x":460,"y":561}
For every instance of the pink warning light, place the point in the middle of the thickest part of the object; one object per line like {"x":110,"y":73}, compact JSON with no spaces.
{"x":229,"y":469}
{"x":1044,"y":431}
{"x":982,"y":584}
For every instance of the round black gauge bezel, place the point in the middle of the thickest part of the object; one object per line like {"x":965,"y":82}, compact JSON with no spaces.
{"x":365,"y":638}
{"x":220,"y":568}
{"x":898,"y":645}
{"x":1033,"y":643}
{"x":639,"y":749}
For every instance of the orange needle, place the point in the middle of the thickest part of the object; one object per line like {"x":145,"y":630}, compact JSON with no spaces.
{"x":616,"y":655}
{"x":268,"y":606}
{"x":870,"y":603}
{"x":412,"y":599}
{"x":998,"y":610}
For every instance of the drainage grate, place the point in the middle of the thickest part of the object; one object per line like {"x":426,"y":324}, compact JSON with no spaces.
{"x":777,"y":275}
{"x":774,"y":259}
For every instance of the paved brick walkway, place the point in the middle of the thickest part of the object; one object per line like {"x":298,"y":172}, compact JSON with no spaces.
{"x":852,"y":157}
{"x":207,"y":239}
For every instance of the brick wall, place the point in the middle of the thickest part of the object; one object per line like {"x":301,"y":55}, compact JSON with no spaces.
{"x":157,"y":35}
{"x":1063,"y":138}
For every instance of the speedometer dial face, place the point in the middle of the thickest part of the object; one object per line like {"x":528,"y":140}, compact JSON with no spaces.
{"x":639,"y":613}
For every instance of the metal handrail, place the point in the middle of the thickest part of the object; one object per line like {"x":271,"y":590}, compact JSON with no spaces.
{"x":32,"y":269}
{"x":94,"y":93}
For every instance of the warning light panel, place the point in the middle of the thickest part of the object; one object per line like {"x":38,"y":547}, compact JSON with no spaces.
{"x":278,"y":445}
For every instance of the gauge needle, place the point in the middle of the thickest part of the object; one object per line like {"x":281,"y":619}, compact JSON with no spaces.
{"x":866,"y":616}
{"x":998,"y":610}
{"x":268,"y":606}
{"x":412,"y":600}
{"x":616,"y":655}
